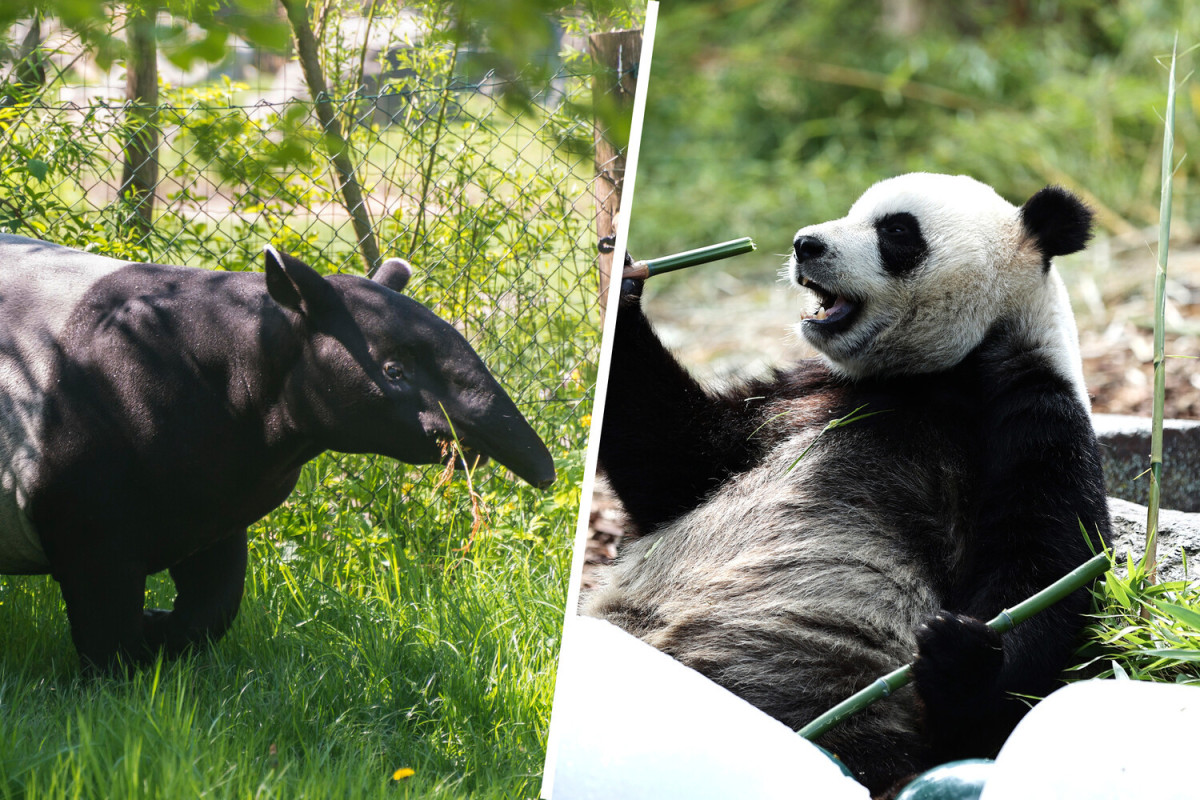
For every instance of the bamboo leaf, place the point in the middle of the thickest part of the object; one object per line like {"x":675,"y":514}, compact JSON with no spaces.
{"x":1185,"y":615}
{"x":853,"y":416}
{"x":1176,"y":655}
{"x":1116,"y":587}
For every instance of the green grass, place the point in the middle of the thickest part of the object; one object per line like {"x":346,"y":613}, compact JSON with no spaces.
{"x":369,"y":639}
{"x":366,"y":643}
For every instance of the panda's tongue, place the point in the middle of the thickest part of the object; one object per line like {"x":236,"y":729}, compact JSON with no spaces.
{"x":831,"y":310}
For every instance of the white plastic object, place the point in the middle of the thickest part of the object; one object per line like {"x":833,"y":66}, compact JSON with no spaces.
{"x":1061,"y":750}
{"x":632,"y":723}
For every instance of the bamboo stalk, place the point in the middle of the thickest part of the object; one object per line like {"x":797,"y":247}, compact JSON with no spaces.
{"x":1002,"y":623}
{"x":701,"y":255}
{"x":1160,"y":330}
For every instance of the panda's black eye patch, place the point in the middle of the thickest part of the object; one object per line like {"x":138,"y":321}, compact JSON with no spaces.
{"x":902,"y":248}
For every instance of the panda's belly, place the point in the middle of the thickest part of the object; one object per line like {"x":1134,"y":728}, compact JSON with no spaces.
{"x":794,"y":586}
{"x":40,"y":283}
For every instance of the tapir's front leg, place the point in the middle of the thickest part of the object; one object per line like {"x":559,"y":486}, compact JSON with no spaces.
{"x":208,"y":587}
{"x":104,"y":605}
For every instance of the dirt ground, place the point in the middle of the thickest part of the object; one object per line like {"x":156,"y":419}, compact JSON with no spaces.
{"x":733,"y":322}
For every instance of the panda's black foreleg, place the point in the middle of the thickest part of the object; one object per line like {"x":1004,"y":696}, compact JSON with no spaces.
{"x":209,"y":587}
{"x":1043,"y":482}
{"x":665,"y":441}
{"x":975,"y":685}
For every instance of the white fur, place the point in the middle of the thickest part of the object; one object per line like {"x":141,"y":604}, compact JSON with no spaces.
{"x":981,"y":268}
{"x":40,"y":284}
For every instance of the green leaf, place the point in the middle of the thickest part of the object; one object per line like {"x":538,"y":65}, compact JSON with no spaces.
{"x":1185,"y":615}
{"x":1116,"y":588}
{"x":1177,"y":655}
{"x":37,"y":168}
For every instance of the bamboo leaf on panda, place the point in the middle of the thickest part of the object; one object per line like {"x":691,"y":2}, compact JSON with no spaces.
{"x":853,"y":416}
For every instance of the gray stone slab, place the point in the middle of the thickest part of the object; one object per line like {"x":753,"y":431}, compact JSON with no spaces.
{"x":1178,"y":535}
{"x":1125,"y":454}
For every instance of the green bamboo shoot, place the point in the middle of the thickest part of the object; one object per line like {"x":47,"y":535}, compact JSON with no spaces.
{"x":1160,"y":325}
{"x":703,"y":255}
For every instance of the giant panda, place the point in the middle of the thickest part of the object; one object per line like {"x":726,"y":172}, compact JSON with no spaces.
{"x":793,"y":562}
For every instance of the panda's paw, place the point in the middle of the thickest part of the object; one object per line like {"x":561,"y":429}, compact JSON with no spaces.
{"x":154,"y":627}
{"x":631,"y":292}
{"x":958,"y":658}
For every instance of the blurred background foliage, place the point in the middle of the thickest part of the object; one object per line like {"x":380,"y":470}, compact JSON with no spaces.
{"x":766,"y":115}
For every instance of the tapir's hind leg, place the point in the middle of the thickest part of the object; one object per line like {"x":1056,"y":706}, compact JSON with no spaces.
{"x":208,"y":589}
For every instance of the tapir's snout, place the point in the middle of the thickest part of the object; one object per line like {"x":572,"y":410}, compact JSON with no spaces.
{"x":459,"y":397}
{"x":491,"y":425}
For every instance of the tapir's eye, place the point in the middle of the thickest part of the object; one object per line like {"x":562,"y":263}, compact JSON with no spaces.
{"x":393,"y":371}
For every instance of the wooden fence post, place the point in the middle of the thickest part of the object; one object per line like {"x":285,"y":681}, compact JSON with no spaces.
{"x":616,"y":56}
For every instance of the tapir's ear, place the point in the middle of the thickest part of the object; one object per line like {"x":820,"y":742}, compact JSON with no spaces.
{"x":292,"y":283}
{"x":1058,"y":221}
{"x":394,"y":274}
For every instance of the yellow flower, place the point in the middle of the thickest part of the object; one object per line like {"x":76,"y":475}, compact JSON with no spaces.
{"x":585,"y":420}
{"x":402,"y":773}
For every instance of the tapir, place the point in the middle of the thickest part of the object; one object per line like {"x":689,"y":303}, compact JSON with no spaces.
{"x":149,"y":414}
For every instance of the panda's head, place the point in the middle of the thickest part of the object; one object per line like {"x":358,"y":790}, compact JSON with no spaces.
{"x":923,"y":266}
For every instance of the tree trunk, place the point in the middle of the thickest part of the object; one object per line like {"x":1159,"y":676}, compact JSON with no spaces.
{"x":140,"y":174}
{"x":335,"y":143}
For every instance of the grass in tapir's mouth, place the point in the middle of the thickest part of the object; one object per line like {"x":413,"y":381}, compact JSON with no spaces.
{"x":459,"y":455}
{"x":835,"y":312}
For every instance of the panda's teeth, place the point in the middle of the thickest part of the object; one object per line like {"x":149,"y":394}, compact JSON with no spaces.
{"x":820,"y":313}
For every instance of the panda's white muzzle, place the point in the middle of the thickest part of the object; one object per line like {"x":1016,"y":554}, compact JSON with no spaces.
{"x":835,"y":311}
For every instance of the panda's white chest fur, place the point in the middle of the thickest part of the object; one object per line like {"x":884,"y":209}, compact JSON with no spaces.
{"x":830,"y":525}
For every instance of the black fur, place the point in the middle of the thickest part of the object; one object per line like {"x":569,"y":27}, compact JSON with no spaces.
{"x":902,"y":248}
{"x":1059,"y":222}
{"x":1023,"y":475}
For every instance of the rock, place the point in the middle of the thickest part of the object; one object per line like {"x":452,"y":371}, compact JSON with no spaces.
{"x":1178,"y":534}
{"x":1125,"y":454}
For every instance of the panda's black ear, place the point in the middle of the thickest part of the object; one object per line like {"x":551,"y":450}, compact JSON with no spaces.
{"x":1058,"y":221}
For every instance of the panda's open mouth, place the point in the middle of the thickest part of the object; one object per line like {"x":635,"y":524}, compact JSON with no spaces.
{"x":835,"y":312}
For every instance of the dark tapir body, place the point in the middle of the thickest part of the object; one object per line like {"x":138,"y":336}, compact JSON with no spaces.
{"x":149,"y":414}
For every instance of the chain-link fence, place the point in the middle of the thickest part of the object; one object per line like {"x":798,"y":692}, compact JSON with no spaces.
{"x":494,"y":206}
